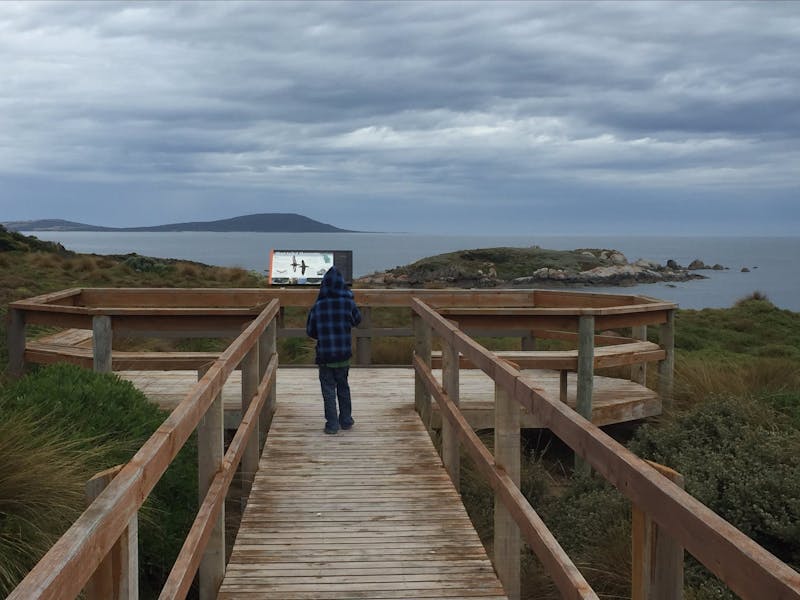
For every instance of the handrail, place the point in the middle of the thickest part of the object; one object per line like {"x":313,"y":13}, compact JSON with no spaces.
{"x":71,"y":561}
{"x":747,"y":568}
{"x":188,"y":561}
{"x":566,"y":575}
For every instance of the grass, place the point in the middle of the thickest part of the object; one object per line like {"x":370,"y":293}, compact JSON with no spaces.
{"x":42,"y":484}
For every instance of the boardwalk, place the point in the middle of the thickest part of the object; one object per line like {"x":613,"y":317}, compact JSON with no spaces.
{"x":368,"y":513}
{"x":614,"y":401}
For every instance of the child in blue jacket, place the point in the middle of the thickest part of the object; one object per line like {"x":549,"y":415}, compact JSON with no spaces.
{"x":329,"y":322}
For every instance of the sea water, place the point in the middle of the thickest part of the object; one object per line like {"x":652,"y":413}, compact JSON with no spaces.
{"x":774,"y":262}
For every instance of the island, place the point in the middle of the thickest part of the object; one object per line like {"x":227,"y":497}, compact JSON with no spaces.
{"x":532,"y":267}
{"x":258,"y":223}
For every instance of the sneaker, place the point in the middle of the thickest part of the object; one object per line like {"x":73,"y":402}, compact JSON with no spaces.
{"x":346,"y":427}
{"x":330,"y":431}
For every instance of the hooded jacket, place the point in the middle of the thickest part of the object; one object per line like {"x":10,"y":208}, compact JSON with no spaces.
{"x":331,"y":318}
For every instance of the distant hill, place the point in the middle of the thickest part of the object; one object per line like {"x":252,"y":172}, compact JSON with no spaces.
{"x":264,"y":222}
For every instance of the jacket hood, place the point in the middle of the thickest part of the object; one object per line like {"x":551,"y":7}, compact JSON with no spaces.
{"x":333,"y":285}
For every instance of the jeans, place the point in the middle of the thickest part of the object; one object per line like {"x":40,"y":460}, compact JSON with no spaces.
{"x":334,"y":383}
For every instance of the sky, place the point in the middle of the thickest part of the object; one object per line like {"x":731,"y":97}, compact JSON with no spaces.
{"x":670,"y":118}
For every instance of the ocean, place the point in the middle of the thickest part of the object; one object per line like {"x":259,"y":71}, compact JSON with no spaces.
{"x":774,"y":262}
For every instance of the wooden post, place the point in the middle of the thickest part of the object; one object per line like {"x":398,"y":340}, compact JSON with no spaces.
{"x":639,"y":370}
{"x":529,"y":342}
{"x":583,"y":403}
{"x":562,"y":385}
{"x":666,"y":367}
{"x":450,"y":384}
{"x":210,"y":452}
{"x":101,"y":343}
{"x":250,"y":381}
{"x":657,"y":560}
{"x":117,"y":576}
{"x":267,"y":346}
{"x":422,"y":348}
{"x":507,"y":543}
{"x":364,"y":344}
{"x":16,"y":342}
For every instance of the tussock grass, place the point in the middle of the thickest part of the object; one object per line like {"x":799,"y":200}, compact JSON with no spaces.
{"x":46,"y":260}
{"x":42,"y":483}
{"x":187,"y":270}
{"x":698,"y":378}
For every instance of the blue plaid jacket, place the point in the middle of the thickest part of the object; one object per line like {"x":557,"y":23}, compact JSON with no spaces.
{"x":331,"y":318}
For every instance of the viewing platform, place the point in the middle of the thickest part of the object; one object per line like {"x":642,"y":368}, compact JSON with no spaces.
{"x":375,"y":512}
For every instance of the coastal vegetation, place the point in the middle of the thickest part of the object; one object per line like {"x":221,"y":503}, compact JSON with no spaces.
{"x":733,"y":431}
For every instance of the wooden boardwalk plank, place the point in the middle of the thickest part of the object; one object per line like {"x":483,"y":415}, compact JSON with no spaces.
{"x":367,"y":513}
{"x":614,"y":401}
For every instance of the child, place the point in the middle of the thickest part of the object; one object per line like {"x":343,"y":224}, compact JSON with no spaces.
{"x":329,"y":322}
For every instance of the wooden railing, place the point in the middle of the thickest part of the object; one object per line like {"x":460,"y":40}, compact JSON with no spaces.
{"x":204,"y":312}
{"x":745,"y":567}
{"x":74,"y":559}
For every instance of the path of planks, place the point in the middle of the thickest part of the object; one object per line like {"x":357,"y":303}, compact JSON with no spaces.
{"x":367,"y":513}
{"x":614,"y":400}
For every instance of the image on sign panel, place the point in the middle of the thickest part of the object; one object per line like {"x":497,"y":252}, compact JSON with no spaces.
{"x":289,"y":267}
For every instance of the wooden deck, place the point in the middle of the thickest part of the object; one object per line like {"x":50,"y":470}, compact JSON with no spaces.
{"x":614,"y":400}
{"x":367,"y":513}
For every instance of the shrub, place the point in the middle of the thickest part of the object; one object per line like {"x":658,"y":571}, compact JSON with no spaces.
{"x":145,"y":264}
{"x":740,"y":458}
{"x":757,"y":296}
{"x":101,"y":407}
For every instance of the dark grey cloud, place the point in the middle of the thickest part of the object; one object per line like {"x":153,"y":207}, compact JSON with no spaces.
{"x":404,"y":115}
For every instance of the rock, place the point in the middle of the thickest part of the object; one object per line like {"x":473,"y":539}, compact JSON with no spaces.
{"x":587,"y":253}
{"x":745,"y":270}
{"x":697,"y":264}
{"x":718,"y":267}
{"x":647,"y":264}
{"x":671,"y":264}
{"x":618,"y":258}
{"x":603,"y":255}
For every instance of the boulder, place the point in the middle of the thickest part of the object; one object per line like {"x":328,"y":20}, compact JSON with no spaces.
{"x":697,"y":264}
{"x":718,"y":267}
{"x":671,"y":264}
{"x":618,"y":258}
{"x":647,"y":264}
{"x":745,"y":270}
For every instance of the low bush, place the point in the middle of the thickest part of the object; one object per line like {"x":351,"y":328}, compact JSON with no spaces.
{"x":741,"y":458}
{"x":145,"y":264}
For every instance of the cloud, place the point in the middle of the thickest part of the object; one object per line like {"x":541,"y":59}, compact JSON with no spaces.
{"x":495,"y":108}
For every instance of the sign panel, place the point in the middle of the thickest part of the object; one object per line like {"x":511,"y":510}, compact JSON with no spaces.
{"x":307,"y":267}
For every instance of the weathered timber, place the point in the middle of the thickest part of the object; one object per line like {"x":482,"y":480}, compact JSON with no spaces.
{"x":364,"y":342}
{"x":16,"y":342}
{"x":566,"y":576}
{"x":349,"y":516}
{"x":666,"y":367}
{"x":101,"y":344}
{"x":204,"y":529}
{"x":639,"y":369}
{"x":657,"y":561}
{"x":67,"y":566}
{"x":210,"y":452}
{"x":507,"y":545}
{"x":450,"y":384}
{"x":117,"y":576}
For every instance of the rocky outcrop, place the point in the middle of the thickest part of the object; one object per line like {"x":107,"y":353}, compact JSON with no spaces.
{"x":697,"y":265}
{"x":613,"y":269}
